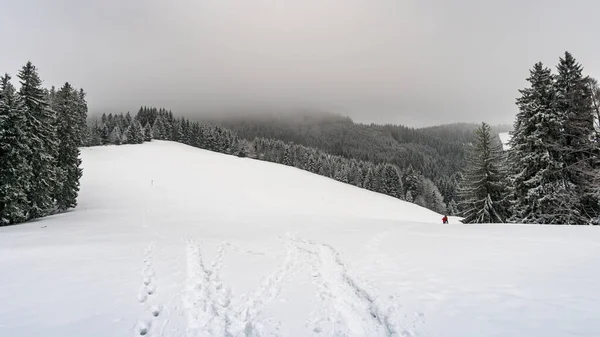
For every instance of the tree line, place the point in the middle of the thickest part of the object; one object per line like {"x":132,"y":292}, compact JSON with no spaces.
{"x":160,"y":124}
{"x":551,"y":172}
{"x":384,"y":178}
{"x":437,"y":153}
{"x":152,"y":123}
{"x":41,"y":131}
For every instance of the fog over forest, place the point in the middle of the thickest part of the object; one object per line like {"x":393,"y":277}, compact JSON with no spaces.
{"x":415,"y":63}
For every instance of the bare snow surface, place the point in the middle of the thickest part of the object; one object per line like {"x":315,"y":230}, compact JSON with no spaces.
{"x":505,"y":139}
{"x":170,"y":240}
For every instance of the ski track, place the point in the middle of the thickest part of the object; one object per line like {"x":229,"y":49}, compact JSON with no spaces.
{"x":251,"y":310}
{"x":381,"y":262}
{"x":344,"y":308}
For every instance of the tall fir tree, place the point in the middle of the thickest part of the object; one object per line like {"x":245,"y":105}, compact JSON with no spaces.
{"x":552,"y":153}
{"x":540,"y":194}
{"x":369,"y":182}
{"x":410,"y":182}
{"x":435,"y":200}
{"x":82,"y":115}
{"x":134,"y":133}
{"x":594,"y":88}
{"x":116,"y":136}
{"x":391,"y":181}
{"x":288,"y":156}
{"x":452,"y":207}
{"x":158,"y":128}
{"x":15,"y":171}
{"x":41,"y":132}
{"x":483,"y":190}
{"x":69,"y":115}
{"x":104,"y":133}
{"x":574,"y":102}
{"x":128,"y":118}
{"x":148,"y":136}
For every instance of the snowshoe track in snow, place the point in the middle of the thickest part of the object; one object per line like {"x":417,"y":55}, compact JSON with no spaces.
{"x":346,"y":308}
{"x":206,"y":299}
{"x":250,"y":311}
{"x":208,"y":303}
{"x":146,"y":295}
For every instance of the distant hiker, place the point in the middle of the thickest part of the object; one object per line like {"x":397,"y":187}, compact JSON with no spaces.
{"x":445,"y":219}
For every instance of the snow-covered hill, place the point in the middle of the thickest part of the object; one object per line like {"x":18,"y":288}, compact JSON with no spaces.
{"x":504,"y":138}
{"x":170,"y":240}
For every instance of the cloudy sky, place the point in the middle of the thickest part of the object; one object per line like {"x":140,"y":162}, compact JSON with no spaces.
{"x":413,"y":62}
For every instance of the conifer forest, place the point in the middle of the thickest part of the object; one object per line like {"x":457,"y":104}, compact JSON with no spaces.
{"x":548,"y":173}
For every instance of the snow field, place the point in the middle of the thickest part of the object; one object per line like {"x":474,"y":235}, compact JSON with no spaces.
{"x":169,"y":240}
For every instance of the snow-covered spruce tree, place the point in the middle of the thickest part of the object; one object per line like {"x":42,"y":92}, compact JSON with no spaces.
{"x":187,"y":132}
{"x":82,"y":115}
{"x":324,"y":165}
{"x":41,"y":133}
{"x":594,"y":88}
{"x":128,"y":119}
{"x":376,"y":180}
{"x":159,"y":128}
{"x":288,"y":156}
{"x":339,"y":173}
{"x":317,"y":163}
{"x":135,"y":133}
{"x":354,"y":173}
{"x":433,"y":197}
{"x":148,"y":136}
{"x":541,"y":194}
{"x":116,"y":136}
{"x":176,"y":130}
{"x":483,"y":190}
{"x":94,"y":134}
{"x":410,"y":182}
{"x":15,"y":170}
{"x":51,"y":96}
{"x":364,"y":170}
{"x":311,"y":165}
{"x":169,"y":122}
{"x":452,"y":207}
{"x":104,"y":132}
{"x":208,"y":138}
{"x":580,"y":153}
{"x":370,"y":183}
{"x":197,"y":131}
{"x":391,"y":181}
{"x":67,"y":105}
{"x":129,"y":135}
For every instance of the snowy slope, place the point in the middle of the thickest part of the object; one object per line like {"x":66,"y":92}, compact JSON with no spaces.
{"x":170,"y":240}
{"x":504,"y":138}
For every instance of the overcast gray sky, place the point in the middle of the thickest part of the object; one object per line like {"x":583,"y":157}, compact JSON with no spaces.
{"x":413,"y":62}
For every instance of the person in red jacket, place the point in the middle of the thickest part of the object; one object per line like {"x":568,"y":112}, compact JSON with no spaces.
{"x":445,"y":219}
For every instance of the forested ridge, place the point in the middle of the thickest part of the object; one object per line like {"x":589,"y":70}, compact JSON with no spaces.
{"x":438,"y":152}
{"x":158,"y":123}
{"x":418,"y":165}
